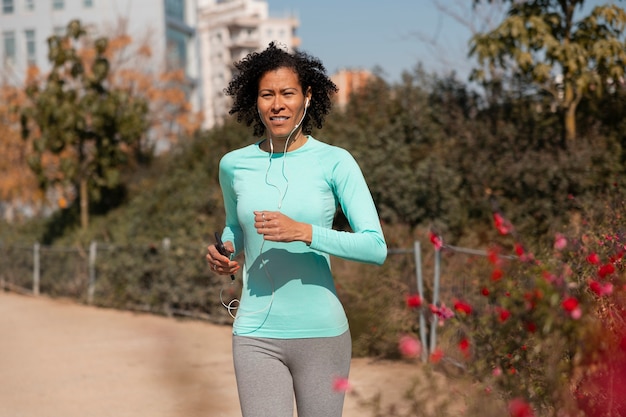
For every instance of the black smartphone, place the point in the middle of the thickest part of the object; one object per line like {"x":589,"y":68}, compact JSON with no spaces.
{"x":219,"y":245}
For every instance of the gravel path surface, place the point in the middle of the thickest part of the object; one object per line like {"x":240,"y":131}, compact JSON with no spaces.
{"x":61,"y":359}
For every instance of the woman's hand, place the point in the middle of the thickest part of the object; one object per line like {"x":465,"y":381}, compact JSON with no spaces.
{"x":221,"y":264}
{"x":277,"y":227}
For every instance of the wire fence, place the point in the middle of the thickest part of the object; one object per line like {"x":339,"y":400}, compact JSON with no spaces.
{"x":142,"y":277}
{"x":160,"y":278}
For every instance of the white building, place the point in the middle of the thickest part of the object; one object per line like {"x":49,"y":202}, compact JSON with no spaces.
{"x":204,"y":37}
{"x":228,"y":30}
{"x":26,"y":24}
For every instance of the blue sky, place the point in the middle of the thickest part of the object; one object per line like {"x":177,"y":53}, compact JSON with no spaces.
{"x":394,"y":34}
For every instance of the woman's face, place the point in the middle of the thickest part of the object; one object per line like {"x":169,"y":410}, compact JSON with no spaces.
{"x":281,"y":102}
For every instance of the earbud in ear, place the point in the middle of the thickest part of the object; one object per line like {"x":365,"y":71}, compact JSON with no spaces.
{"x":306,"y":104}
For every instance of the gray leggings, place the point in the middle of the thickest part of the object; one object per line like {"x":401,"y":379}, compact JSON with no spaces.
{"x":271,"y":371}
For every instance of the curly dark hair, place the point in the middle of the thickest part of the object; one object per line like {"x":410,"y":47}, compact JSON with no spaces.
{"x":244,"y":86}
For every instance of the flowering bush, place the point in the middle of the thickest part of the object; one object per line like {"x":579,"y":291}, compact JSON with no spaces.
{"x":546,"y":333}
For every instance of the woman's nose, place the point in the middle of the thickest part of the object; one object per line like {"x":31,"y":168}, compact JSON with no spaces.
{"x":277,"y":104}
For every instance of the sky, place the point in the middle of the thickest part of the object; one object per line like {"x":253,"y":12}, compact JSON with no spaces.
{"x":393,"y":35}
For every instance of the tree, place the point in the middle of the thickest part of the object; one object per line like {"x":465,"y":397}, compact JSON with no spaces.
{"x":541,"y":41}
{"x":90,"y":128}
{"x":18,"y":185}
{"x":167,"y":91}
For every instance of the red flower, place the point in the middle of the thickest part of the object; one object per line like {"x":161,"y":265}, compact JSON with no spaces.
{"x":436,"y":240}
{"x":593,"y":258}
{"x":600,"y":289}
{"x":463,"y":307}
{"x":519,"y":249}
{"x":436,"y":356}
{"x":569,"y":304}
{"x":531,"y":327}
{"x":413,"y":301}
{"x":496,"y":275}
{"x":617,"y":257}
{"x":464,"y":346}
{"x":605,"y":270}
{"x":504,"y":315}
{"x":520,"y":408}
{"x":494,"y":256}
{"x":485,"y":291}
{"x":549,"y":277}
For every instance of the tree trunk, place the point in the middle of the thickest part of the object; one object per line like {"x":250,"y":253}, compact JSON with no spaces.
{"x":569,"y":120}
{"x":570,"y":123}
{"x":84,"y":204}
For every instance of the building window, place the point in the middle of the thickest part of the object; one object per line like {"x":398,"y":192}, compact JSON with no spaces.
{"x":87,"y":4}
{"x":176,"y":50}
{"x":175,"y":9}
{"x":8,"y":43}
{"x":29,"y":5}
{"x":7,"y":6}
{"x":31,"y":52}
{"x":58,"y":4}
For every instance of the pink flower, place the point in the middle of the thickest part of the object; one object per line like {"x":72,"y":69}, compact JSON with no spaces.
{"x":341,"y":385}
{"x":497,"y":372}
{"x":600,"y":289}
{"x":520,"y":408}
{"x":409,"y":346}
{"x":442,"y":312}
{"x":560,"y":242}
{"x":576,"y":313}
{"x":436,"y":240}
{"x":413,"y":301}
{"x":503,"y":225}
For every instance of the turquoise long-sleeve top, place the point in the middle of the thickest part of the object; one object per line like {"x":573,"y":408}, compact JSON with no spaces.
{"x":288,"y":289}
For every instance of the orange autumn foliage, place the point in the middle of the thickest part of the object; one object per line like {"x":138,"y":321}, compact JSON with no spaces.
{"x":131,"y":62}
{"x":17,"y":181}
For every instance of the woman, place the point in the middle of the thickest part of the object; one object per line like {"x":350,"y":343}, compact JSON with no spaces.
{"x":290,"y":334}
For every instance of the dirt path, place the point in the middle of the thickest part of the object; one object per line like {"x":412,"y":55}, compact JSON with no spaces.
{"x":60,"y":359}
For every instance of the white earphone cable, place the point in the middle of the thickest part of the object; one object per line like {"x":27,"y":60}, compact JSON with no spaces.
{"x":233,"y":305}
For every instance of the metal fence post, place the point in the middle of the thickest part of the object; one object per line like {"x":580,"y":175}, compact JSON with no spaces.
{"x":417,"y":252}
{"x":36,"y":269}
{"x":433,"y":324}
{"x":93,"y":246}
